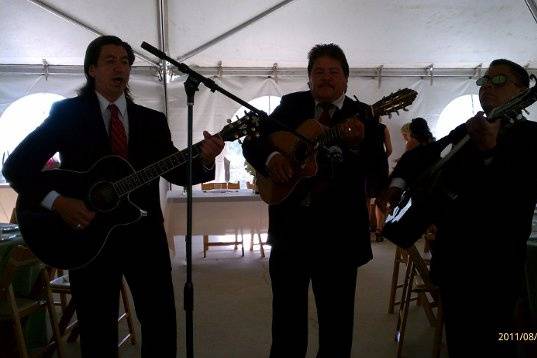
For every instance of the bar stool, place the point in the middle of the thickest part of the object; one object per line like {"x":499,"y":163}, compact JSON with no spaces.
{"x":417,"y":268}
{"x":61,"y":286}
{"x":15,"y":308}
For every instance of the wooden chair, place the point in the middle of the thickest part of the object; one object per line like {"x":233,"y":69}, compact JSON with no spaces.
{"x":206,"y":242}
{"x":17,"y":309}
{"x":221,"y":186}
{"x":60,"y":285}
{"x":251,"y":186}
{"x":234,"y":186}
{"x":417,"y":268}
{"x":401,"y":257}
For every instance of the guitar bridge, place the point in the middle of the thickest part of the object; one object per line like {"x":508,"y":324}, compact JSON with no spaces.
{"x":143,"y":213}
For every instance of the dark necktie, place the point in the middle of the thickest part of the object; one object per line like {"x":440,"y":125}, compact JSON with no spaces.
{"x":324,"y":118}
{"x":118,"y":137}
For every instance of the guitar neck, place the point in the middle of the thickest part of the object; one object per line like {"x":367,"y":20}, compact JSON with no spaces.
{"x":132,"y":182}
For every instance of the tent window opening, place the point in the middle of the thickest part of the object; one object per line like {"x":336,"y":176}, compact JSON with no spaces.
{"x":22,"y":117}
{"x":236,"y":169}
{"x":456,"y":112}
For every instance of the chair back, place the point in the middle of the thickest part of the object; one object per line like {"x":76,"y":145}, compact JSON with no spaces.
{"x":213,"y":185}
{"x":236,"y":185}
{"x":19,"y":257}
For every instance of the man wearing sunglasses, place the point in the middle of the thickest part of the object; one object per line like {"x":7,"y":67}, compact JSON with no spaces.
{"x":484,"y":221}
{"x":480,"y":248}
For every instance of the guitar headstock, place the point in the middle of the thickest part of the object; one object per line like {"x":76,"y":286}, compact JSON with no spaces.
{"x":247,"y":125}
{"x":394,"y":102}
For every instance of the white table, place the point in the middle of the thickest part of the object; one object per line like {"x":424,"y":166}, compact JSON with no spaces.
{"x":216,"y":213}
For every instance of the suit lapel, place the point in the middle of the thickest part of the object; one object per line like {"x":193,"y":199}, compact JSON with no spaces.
{"x":95,"y":125}
{"x":134,"y":123}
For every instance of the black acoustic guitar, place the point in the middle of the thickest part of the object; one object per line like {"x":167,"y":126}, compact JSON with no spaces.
{"x":422,"y":203}
{"x":105,"y":189}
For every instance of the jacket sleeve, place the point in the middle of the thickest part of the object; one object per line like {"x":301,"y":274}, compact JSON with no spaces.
{"x":165,"y":147}
{"x":256,"y":150}
{"x":24,"y":166}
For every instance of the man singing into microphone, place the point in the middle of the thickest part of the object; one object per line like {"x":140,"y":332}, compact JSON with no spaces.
{"x":104,"y":120}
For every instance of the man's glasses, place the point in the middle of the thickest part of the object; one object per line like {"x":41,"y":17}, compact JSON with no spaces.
{"x":498,"y":80}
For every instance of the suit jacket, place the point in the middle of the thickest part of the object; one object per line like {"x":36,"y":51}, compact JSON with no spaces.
{"x":75,"y":128}
{"x":487,"y":226}
{"x":339,"y":214}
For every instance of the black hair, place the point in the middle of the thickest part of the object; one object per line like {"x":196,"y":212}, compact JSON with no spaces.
{"x":92,"y":57}
{"x":419,"y":129}
{"x":520,"y":72}
{"x":331,"y":50}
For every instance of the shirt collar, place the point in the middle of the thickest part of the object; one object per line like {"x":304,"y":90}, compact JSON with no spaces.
{"x":121,"y":103}
{"x":338,"y":102}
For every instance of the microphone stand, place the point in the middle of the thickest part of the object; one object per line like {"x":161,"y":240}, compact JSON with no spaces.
{"x":191,"y":86}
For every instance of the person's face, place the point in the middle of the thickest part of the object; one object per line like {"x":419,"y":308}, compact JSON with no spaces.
{"x":411,"y":143}
{"x":112,"y":71}
{"x":326,"y":80}
{"x":494,"y":95}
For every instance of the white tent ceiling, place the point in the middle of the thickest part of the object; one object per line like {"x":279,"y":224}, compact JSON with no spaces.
{"x":393,"y":33}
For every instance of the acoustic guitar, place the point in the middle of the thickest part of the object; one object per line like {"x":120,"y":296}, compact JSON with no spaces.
{"x":105,"y":189}
{"x":303,"y":155}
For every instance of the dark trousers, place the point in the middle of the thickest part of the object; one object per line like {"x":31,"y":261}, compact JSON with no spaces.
{"x":476,"y":316}
{"x":145,"y":263}
{"x":333,"y":282}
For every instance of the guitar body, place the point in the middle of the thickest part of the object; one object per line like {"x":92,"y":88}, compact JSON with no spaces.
{"x":58,"y":244}
{"x":408,"y":221}
{"x":105,"y":189}
{"x":301,"y":155}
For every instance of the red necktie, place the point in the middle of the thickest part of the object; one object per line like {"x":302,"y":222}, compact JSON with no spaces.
{"x":118,"y":138}
{"x":325,"y":118}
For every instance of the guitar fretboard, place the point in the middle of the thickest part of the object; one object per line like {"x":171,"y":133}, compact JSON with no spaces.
{"x":153,"y":171}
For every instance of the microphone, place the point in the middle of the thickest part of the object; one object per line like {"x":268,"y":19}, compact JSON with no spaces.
{"x":155,"y":51}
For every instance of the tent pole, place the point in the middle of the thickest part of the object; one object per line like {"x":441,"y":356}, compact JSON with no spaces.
{"x":77,"y":22}
{"x":232,"y":31}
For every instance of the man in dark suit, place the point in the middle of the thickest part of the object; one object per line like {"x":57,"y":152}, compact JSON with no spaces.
{"x":482,"y":229}
{"x":104,"y":120}
{"x":320,"y":232}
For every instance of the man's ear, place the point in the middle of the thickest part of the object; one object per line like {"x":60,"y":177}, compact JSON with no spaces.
{"x":91,"y":71}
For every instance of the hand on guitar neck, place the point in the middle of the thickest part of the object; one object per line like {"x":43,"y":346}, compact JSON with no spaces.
{"x":482,"y":132}
{"x":210,"y":147}
{"x":73,"y":211}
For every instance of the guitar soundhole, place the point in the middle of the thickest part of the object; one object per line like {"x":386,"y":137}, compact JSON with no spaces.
{"x":301,"y":152}
{"x":103,"y":197}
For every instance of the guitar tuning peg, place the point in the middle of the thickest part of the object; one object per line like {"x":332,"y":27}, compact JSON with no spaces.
{"x":356,"y":98}
{"x":237,"y":116}
{"x":526,"y":111}
{"x":405,"y":109}
{"x":228,"y":120}
{"x":397,"y":112}
{"x":240,"y":141}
